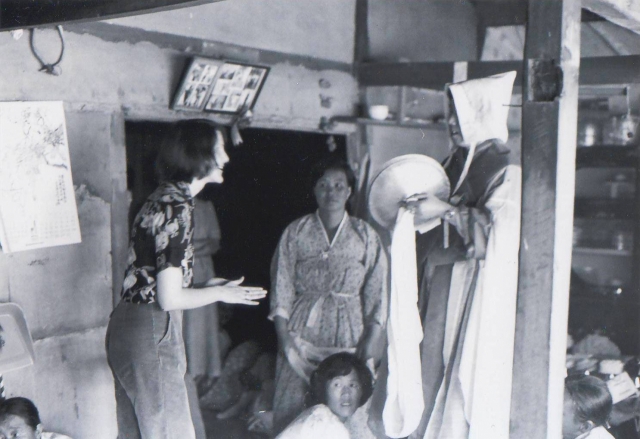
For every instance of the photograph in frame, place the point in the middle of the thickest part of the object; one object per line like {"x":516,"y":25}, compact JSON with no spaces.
{"x":196,"y":84}
{"x":236,"y":88}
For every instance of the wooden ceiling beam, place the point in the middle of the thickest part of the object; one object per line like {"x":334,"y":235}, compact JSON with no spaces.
{"x":624,"y":13}
{"x":24,"y":14}
{"x":610,"y":70}
{"x":513,"y":13}
{"x":362,"y":43}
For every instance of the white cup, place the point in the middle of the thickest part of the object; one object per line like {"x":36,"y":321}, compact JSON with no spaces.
{"x":378,"y":112}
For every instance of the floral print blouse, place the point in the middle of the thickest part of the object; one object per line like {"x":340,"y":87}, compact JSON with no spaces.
{"x":161,"y":237}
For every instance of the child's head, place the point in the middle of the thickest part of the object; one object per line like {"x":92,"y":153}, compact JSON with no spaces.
{"x":587,"y":404}
{"x":19,"y":418}
{"x":343,"y":383}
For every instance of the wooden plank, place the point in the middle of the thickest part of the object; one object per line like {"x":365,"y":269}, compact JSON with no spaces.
{"x":630,"y":297}
{"x":610,"y":70}
{"x":606,"y":70}
{"x":22,"y":14}
{"x":549,"y":131}
{"x":624,"y":13}
{"x":361,"y":51}
{"x":433,"y":75}
{"x":533,"y":312}
{"x":119,"y":203}
{"x":514,"y":13}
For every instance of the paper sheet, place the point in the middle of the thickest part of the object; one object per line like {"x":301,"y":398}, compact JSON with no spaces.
{"x":37,"y":199}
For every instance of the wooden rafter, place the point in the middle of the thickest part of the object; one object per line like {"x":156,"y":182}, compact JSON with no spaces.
{"x":610,"y":70}
{"x":514,"y":12}
{"x":21,"y":14}
{"x":625,"y":13}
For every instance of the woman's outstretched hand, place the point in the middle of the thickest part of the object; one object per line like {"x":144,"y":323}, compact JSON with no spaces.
{"x":231,"y":291}
{"x":241,"y":295}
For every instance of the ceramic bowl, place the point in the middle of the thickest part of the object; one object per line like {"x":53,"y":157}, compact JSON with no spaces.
{"x":378,"y":112}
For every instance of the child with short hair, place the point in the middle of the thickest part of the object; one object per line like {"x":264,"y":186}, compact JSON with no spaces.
{"x":587,"y":406}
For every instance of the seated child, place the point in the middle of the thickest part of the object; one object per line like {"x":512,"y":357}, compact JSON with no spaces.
{"x":340,"y":384}
{"x":19,"y":418}
{"x":587,"y":406}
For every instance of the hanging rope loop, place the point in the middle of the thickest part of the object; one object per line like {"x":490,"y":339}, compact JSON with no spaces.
{"x":50,"y":68}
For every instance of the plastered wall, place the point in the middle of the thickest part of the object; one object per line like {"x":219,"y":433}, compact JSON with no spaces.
{"x":422,"y":30}
{"x":67,"y":291}
{"x":323,"y":29}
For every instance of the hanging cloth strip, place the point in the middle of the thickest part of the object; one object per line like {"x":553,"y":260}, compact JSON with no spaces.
{"x":405,"y":403}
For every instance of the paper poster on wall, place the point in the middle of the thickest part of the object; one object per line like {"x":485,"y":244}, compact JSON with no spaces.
{"x":16,"y":345}
{"x":37,"y":200}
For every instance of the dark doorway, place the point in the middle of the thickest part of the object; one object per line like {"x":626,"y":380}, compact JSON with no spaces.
{"x":266,"y":187}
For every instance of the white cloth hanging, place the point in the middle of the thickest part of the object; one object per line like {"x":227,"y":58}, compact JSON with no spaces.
{"x":404,"y":404}
{"x":486,"y":369}
{"x":486,"y":366}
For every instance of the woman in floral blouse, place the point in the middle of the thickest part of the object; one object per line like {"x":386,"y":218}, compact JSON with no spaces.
{"x":144,"y":342}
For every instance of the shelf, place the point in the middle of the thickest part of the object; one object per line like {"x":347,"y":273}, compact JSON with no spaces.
{"x":609,"y":156}
{"x":389,"y":122}
{"x":605,"y":208}
{"x":597,"y":298}
{"x":602,"y":251}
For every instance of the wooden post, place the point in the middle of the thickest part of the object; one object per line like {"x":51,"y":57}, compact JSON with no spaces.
{"x":549,"y":127}
{"x":361,"y":50}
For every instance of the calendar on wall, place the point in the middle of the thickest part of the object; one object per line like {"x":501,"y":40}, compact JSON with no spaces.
{"x":37,"y":199}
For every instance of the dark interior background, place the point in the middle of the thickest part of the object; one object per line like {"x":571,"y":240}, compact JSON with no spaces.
{"x":266,"y":187}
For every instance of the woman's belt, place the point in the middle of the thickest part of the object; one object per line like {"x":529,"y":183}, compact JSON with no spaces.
{"x":316,"y":308}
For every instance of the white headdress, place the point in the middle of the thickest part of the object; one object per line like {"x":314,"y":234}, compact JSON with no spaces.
{"x":482,"y":107}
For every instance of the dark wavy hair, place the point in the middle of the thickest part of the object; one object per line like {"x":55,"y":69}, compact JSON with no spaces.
{"x":338,"y":365}
{"x":187,"y":151}
{"x":22,"y":408}
{"x":332,"y":163}
{"x":591,"y":398}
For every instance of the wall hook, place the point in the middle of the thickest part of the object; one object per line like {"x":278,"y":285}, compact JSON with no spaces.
{"x":52,"y":68}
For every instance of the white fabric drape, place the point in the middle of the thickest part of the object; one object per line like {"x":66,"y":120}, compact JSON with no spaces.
{"x":486,"y":364}
{"x":404,"y":404}
{"x":486,"y":369}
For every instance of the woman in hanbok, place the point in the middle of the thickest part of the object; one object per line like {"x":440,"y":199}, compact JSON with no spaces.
{"x":329,"y":290}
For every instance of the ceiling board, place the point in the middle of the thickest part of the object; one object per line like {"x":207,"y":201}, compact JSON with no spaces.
{"x":624,"y":13}
{"x":17,"y":14}
{"x":512,"y":12}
